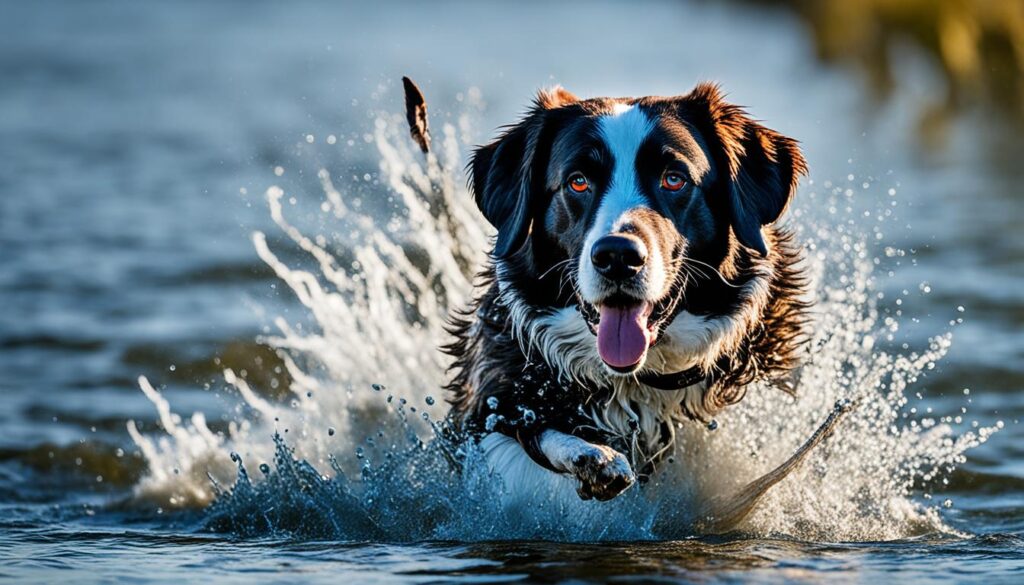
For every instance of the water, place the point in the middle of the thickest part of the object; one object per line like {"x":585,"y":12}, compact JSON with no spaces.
{"x":129,"y":249}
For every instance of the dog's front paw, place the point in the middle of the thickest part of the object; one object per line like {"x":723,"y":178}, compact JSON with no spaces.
{"x":603,"y":473}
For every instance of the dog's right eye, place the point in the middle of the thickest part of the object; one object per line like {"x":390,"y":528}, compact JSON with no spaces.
{"x":578,"y":183}
{"x":672,"y":182}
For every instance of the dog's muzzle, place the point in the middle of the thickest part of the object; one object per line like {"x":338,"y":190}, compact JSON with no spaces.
{"x":623,"y":335}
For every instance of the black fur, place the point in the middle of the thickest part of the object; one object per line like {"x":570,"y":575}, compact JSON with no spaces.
{"x":499,"y":385}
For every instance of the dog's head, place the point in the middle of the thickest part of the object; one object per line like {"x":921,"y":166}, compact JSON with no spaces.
{"x":627,"y":199}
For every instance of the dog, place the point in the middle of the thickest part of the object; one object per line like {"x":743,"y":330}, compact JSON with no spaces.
{"x":639,"y":279}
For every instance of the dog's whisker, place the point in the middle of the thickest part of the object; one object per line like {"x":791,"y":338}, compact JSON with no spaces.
{"x":713,"y":269}
{"x":683,"y":264}
{"x":569,"y":278}
{"x":554,"y":267}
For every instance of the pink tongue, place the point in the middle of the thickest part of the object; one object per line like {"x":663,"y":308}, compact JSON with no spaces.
{"x":622,"y":335}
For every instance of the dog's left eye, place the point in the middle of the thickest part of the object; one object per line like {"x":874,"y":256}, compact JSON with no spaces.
{"x":672,"y":181}
{"x":578,"y":183}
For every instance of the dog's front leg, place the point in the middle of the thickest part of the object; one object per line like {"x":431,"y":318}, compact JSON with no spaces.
{"x":603,"y":472}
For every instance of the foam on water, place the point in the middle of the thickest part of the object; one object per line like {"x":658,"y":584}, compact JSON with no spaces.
{"x":356,"y":454}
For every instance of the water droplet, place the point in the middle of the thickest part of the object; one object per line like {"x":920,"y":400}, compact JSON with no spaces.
{"x":492,"y":402}
{"x":712,"y":425}
{"x":429,"y":400}
{"x":330,"y":431}
{"x":947,"y":503}
{"x":377,"y":387}
{"x":265,"y":468}
{"x":492,"y":421}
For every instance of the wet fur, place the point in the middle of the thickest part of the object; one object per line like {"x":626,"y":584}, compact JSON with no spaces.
{"x":525,"y":360}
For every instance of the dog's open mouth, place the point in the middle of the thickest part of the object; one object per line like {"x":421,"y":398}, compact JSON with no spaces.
{"x":623,"y":335}
{"x":625,"y":328}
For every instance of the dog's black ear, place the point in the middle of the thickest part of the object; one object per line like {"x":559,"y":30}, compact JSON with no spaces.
{"x":764,"y":166}
{"x":502,"y":183}
{"x":507,"y":174}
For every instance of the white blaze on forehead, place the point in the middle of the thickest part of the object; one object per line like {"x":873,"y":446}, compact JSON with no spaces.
{"x":623,"y":131}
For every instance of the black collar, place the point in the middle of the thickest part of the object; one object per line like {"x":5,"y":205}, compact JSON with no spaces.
{"x":673,"y":381}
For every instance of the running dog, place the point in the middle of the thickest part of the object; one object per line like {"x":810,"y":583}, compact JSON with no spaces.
{"x":639,"y":279}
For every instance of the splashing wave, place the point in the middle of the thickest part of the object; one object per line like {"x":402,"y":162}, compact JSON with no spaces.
{"x":352,"y":460}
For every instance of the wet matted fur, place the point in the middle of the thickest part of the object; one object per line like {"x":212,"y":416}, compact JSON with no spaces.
{"x":693,"y":188}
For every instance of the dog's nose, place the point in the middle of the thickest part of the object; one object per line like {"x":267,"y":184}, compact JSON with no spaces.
{"x":618,"y":257}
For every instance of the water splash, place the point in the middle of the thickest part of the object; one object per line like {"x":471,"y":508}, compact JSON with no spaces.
{"x":350,"y":459}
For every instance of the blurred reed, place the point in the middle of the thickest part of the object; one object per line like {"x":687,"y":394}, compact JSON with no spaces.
{"x":976,"y":47}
